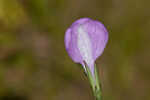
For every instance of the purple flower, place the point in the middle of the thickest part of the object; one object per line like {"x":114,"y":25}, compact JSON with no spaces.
{"x":85,"y":41}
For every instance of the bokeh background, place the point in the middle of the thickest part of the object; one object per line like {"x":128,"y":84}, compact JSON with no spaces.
{"x":35,"y":66}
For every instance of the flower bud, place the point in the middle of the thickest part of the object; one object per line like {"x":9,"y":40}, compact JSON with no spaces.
{"x":85,"y":41}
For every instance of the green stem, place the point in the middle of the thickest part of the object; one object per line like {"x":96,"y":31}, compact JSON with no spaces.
{"x":97,"y":91}
{"x":95,"y":83}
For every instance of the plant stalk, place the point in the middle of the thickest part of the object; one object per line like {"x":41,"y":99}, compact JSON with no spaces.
{"x":95,"y":83}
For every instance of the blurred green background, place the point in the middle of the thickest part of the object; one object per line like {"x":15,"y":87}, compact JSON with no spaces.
{"x":35,"y":66}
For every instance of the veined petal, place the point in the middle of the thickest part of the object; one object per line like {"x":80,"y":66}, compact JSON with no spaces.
{"x":84,"y":45}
